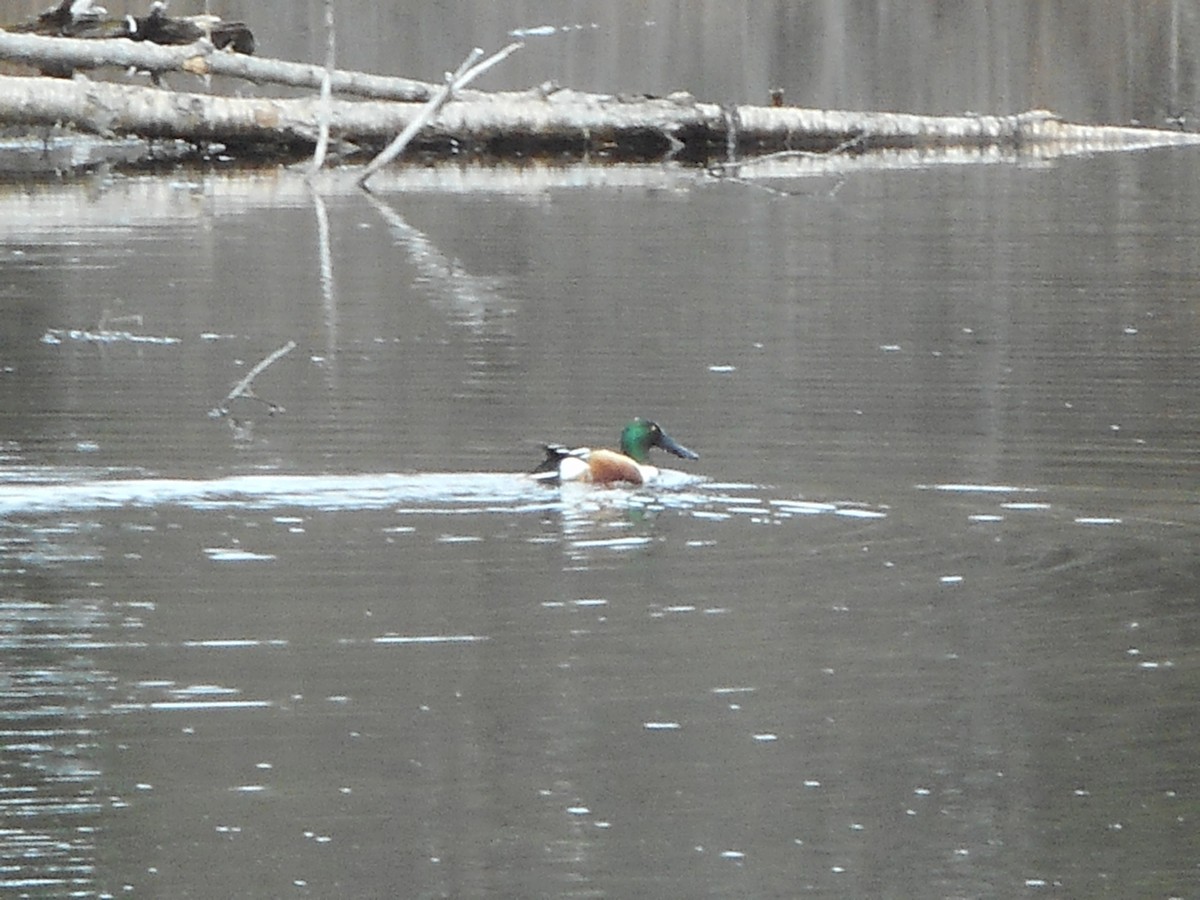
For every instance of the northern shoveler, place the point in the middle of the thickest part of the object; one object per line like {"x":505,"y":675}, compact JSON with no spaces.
{"x":629,"y":466}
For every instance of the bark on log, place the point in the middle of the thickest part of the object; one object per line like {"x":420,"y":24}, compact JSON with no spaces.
{"x":563,"y":122}
{"x":545,"y":122}
{"x":201,"y":58}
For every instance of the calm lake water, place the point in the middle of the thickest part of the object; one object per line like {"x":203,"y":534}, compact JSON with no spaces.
{"x":920,"y":622}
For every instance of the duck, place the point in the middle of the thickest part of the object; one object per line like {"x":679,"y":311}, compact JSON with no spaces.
{"x":609,"y":467}
{"x":73,"y":18}
{"x":159,"y":28}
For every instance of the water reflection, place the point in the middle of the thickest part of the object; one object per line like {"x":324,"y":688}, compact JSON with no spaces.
{"x":222,"y":674}
{"x":929,"y":607}
{"x":61,"y":691}
{"x":51,"y":698}
{"x":472,"y":300}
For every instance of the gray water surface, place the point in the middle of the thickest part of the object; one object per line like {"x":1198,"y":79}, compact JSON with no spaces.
{"x":920,"y":622}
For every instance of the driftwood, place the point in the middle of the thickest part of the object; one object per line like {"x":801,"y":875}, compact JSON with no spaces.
{"x":470,"y":69}
{"x":564,"y":122}
{"x":202,"y":58}
{"x":544,"y":121}
{"x":318,"y":159}
{"x":243,"y":388}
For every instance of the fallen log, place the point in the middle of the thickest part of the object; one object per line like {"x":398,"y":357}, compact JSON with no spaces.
{"x":548,"y":123}
{"x":545,"y":121}
{"x":200,"y":58}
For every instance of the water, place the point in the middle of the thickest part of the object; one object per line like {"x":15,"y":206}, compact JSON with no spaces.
{"x":916,"y":623}
{"x":919,"y":621}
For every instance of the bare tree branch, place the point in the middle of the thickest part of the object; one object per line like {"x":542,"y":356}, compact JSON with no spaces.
{"x":463,"y":76}
{"x":318,"y":159}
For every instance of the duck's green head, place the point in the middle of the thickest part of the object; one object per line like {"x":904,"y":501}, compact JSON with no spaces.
{"x":642,"y":434}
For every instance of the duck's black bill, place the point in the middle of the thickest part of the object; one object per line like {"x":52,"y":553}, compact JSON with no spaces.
{"x":671,"y":445}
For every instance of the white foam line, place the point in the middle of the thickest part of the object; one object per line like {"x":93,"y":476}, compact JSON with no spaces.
{"x":616,"y":543}
{"x":980,"y":488}
{"x":803,"y":506}
{"x":430,"y":639}
{"x":195,"y":704}
{"x":234,"y":554}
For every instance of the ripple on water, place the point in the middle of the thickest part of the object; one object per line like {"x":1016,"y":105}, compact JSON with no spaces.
{"x":427,"y":493}
{"x":55,"y":336}
{"x":429,"y":639}
{"x":969,"y":488}
{"x":235,"y":554}
{"x":49,"y":769}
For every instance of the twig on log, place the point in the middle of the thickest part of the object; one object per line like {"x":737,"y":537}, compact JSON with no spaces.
{"x":731,"y":134}
{"x":428,"y":111}
{"x":242,"y":388}
{"x":463,"y":76}
{"x":318,"y":159}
